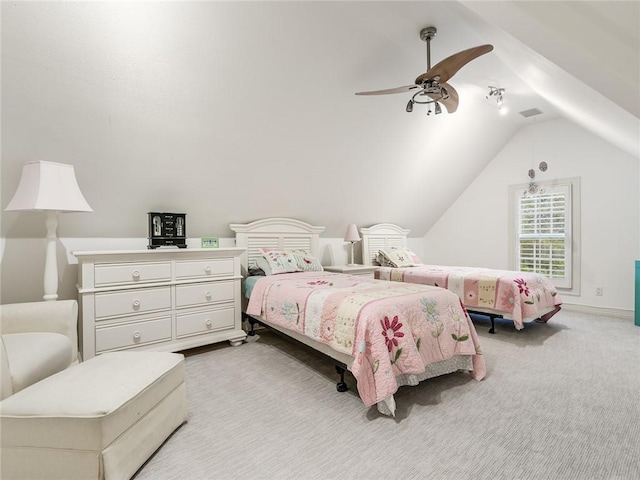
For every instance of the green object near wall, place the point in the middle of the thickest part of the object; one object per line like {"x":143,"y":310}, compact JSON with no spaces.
{"x":638,"y":293}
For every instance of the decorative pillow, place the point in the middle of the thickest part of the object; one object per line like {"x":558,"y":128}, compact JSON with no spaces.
{"x":382,"y":261}
{"x":303,"y":259}
{"x":399,"y":257}
{"x":306,"y":262}
{"x":273,"y":262}
{"x":414,"y":258}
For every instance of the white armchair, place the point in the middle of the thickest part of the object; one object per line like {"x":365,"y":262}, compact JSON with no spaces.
{"x":37,"y":339}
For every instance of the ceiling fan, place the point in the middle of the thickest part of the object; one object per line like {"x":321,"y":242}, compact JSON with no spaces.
{"x":431,"y":86}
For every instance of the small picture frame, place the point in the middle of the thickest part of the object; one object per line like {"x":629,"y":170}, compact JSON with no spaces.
{"x":209,"y":242}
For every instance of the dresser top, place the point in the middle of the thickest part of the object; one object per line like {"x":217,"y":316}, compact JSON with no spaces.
{"x":164,"y":252}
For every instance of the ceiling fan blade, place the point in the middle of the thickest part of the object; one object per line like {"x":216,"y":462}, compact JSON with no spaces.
{"x":448,"y":67}
{"x":406,"y":88}
{"x":451,"y":103}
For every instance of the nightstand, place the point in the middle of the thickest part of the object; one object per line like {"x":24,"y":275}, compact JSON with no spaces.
{"x":361,"y":270}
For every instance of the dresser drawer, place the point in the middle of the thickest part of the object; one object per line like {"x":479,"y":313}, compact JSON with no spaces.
{"x":131,"y":273}
{"x":204,"y":322}
{"x":204,"y":268}
{"x":134,"y":334}
{"x":204,"y":293}
{"x":129,"y":302}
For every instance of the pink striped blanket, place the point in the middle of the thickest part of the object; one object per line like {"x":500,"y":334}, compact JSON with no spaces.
{"x":391,"y":329}
{"x":519,"y":296}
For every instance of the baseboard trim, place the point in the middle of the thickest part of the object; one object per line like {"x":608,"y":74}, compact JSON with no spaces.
{"x":604,"y":311}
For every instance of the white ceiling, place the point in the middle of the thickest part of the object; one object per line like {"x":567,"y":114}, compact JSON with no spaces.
{"x":233,"y":111}
{"x":583,"y":57}
{"x":576,"y":59}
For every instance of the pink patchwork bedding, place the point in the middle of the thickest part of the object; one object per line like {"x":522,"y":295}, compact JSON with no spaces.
{"x":519,"y":296}
{"x":390,"y":329}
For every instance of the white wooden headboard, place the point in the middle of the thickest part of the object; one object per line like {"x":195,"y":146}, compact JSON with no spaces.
{"x":381,"y":236}
{"x":276,"y":233}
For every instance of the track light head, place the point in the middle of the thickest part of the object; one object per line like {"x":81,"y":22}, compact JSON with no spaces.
{"x":497,"y":93}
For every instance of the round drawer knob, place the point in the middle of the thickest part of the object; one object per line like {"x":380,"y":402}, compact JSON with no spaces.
{"x":207,"y":295}
{"x":136,"y":336}
{"x":136,"y":274}
{"x":136,"y":304}
{"x":207,"y":269}
{"x":208,"y":323}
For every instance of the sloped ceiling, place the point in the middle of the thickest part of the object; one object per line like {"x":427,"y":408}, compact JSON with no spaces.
{"x":234,"y":111}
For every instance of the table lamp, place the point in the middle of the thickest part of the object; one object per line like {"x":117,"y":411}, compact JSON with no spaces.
{"x":53,"y":188}
{"x":352,"y":236}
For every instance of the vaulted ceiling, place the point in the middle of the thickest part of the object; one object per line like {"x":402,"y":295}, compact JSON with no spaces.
{"x":234,"y":111}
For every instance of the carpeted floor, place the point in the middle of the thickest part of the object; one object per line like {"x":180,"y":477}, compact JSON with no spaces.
{"x":560,"y":401}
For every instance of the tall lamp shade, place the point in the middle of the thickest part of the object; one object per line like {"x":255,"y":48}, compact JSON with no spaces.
{"x":352,"y":236}
{"x":53,"y":188}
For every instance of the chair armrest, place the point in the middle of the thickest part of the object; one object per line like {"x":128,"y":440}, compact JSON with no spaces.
{"x":50,"y":316}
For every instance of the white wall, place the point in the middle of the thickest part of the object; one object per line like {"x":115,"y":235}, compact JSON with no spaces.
{"x":474,"y":231}
{"x":208,"y":108}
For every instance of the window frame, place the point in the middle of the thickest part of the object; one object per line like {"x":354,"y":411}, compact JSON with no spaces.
{"x":572,"y":249}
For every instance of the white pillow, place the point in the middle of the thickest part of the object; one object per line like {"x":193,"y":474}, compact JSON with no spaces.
{"x":306,"y":262}
{"x":273,"y":262}
{"x":400,"y":257}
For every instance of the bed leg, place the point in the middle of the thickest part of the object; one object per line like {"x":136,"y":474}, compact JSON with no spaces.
{"x":341,"y":386}
{"x":252,"y":323}
{"x":493,"y":324}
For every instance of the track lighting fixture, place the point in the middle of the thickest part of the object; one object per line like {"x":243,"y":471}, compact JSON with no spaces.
{"x":497,"y":93}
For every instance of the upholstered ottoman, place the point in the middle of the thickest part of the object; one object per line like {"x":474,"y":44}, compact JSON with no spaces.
{"x":101,"y":419}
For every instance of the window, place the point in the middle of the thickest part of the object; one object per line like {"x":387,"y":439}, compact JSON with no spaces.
{"x":543,"y":238}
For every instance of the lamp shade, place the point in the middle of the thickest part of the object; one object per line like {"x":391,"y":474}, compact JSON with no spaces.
{"x":352,"y":234}
{"x":48,"y":186}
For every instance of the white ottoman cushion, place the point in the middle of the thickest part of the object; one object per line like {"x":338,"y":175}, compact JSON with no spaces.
{"x":35,"y":356}
{"x":90,"y":406}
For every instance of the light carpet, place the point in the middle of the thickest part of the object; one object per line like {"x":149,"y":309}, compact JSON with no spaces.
{"x":560,"y":401}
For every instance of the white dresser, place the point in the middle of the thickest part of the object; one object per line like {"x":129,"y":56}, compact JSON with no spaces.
{"x":163,"y":299}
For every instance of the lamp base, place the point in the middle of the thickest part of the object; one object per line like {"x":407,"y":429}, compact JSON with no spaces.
{"x":51,"y":260}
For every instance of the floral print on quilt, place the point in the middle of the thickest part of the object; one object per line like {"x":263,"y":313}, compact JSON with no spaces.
{"x":390,"y":329}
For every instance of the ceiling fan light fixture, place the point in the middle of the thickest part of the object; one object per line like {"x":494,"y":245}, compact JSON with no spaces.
{"x":431,"y":83}
{"x":410,"y":106}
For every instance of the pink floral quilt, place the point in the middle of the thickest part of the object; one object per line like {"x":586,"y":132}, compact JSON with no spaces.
{"x":519,"y":296}
{"x":390,"y":329}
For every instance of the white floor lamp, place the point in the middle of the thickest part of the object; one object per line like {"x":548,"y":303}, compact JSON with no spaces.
{"x":53,"y":188}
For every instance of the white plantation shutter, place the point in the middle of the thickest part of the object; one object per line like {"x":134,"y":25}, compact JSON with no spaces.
{"x":544,"y":236}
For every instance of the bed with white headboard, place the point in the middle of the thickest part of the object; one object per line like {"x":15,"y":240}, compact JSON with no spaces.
{"x":358,"y":322}
{"x":517,"y":296}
